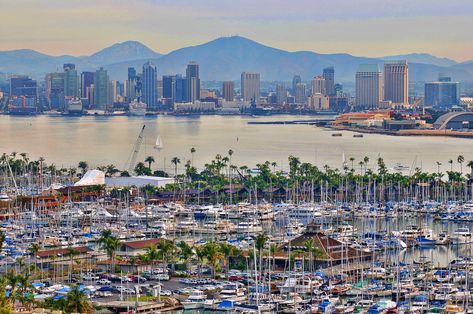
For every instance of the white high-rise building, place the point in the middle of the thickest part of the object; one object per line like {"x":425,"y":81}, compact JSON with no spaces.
{"x":250,"y":87}
{"x":396,"y":82}
{"x":318,"y":85}
{"x":368,"y":86}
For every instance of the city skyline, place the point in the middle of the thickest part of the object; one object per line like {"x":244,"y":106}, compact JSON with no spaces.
{"x":324,"y":27}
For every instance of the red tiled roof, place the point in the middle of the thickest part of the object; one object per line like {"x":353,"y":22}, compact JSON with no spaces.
{"x":141,"y":244}
{"x":63,"y":252}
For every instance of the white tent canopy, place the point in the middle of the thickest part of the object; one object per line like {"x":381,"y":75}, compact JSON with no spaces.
{"x":92,"y":177}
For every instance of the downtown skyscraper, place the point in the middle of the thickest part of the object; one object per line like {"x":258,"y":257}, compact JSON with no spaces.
{"x":250,"y":87}
{"x":149,"y":87}
{"x":101,"y":88}
{"x":396,"y":82}
{"x":368,"y":85}
{"x":193,"y":82}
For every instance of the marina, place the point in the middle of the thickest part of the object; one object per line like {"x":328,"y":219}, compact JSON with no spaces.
{"x":368,"y":245}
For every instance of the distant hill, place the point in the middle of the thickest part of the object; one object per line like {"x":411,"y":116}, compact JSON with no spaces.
{"x":422,"y":58}
{"x":37,"y":64}
{"x":225,"y":58}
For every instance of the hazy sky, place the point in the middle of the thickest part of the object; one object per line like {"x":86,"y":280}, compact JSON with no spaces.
{"x":359,"y":27}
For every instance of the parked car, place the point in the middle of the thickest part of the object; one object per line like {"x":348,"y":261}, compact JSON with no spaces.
{"x":103,"y":281}
{"x":89,"y":276}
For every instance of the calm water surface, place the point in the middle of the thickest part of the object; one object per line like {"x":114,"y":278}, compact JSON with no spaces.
{"x":105,"y":140}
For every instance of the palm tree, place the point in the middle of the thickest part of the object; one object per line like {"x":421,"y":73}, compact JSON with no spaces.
{"x":213,"y":255}
{"x":71,"y":252}
{"x":76,"y":301}
{"x":460,"y":160}
{"x":175,"y":161}
{"x":192,"y":153}
{"x":33,"y":249}
{"x":352,"y":160}
{"x":152,"y":254}
{"x":469,"y":164}
{"x":200,"y":254}
{"x":83,"y":166}
{"x":260,"y":242}
{"x":2,"y":239}
{"x":451,"y":165}
{"x":149,"y":160}
{"x":227,"y":250}
{"x":185,"y":252}
{"x":166,"y":250}
{"x":109,"y":243}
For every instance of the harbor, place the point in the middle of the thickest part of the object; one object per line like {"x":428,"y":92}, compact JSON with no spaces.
{"x":266,"y":241}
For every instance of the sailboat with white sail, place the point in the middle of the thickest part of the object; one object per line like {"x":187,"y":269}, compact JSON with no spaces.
{"x":159,"y":143}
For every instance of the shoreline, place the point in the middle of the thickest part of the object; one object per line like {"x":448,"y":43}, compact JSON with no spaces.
{"x":433,"y":133}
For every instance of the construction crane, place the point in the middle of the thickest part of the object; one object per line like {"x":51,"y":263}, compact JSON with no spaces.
{"x":136,"y":150}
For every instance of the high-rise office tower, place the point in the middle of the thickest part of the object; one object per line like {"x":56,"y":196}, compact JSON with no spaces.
{"x":300,"y":94}
{"x":86,"y":79}
{"x":228,"y":90}
{"x":329,"y":76}
{"x":101,"y":88}
{"x":23,"y":86}
{"x":368,"y":86}
{"x":180,"y":93}
{"x":71,"y":80}
{"x":318,"y":85}
{"x":149,"y":85}
{"x":250,"y":87}
{"x":396,"y":81}
{"x":169,"y":87}
{"x":295,"y":80}
{"x":442,"y":94}
{"x":55,"y":90}
{"x":131,"y":73}
{"x":193,"y":82}
{"x":281,"y":94}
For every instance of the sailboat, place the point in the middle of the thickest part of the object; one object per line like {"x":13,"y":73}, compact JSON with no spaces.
{"x":159,"y":144}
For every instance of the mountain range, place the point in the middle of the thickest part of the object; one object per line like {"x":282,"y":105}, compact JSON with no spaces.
{"x":225,"y":58}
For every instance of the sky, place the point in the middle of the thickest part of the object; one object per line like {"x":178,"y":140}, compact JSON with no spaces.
{"x":370,"y":28}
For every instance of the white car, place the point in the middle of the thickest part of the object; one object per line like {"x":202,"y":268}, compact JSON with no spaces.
{"x":103,"y":281}
{"x":89,"y":277}
{"x":166,"y":293}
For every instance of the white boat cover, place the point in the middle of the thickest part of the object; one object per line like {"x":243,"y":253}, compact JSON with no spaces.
{"x":92,"y":177}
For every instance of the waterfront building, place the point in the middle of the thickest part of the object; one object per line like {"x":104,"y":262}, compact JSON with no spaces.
{"x":300,"y":93}
{"x":455,"y":121}
{"x":113,"y":91}
{"x":319,"y":102}
{"x":281,"y":94}
{"x":329,"y":77}
{"x":442,"y":94}
{"x":55,"y":90}
{"x":149,"y":85}
{"x":197,"y":106}
{"x":368,"y":86}
{"x":250,"y":87}
{"x":71,"y":81}
{"x":193,"y":82}
{"x":23,"y":86}
{"x":101,"y":88}
{"x":396,"y":82}
{"x":228,"y":90}
{"x":318,"y":85}
{"x":86,"y":80}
